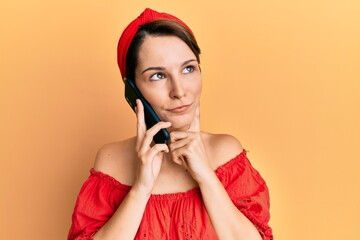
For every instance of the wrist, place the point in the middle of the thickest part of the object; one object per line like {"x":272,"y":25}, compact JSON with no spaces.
{"x":207,"y":179}
{"x":139,"y":193}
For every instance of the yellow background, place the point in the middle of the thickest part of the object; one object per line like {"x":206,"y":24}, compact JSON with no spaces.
{"x":282,"y":76}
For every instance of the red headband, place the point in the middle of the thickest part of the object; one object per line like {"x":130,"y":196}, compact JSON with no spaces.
{"x":147,"y":16}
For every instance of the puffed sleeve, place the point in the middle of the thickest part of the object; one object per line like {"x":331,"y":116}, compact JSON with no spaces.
{"x":98,"y":199}
{"x":248,"y":191}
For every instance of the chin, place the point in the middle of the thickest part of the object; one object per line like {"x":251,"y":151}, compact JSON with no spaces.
{"x":180,"y":125}
{"x":175,"y":127}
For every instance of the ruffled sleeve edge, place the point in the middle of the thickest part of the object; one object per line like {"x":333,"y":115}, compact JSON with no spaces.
{"x":109,"y":179}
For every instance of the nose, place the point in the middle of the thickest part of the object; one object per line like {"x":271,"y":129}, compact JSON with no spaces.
{"x":177,"y":88}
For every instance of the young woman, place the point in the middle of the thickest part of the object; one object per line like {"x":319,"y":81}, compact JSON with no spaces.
{"x":199,"y":185}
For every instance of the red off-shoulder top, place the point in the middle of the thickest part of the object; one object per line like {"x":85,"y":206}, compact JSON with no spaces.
{"x":175,"y":215}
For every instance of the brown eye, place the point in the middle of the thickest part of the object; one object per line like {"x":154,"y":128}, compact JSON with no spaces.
{"x":157,"y":76}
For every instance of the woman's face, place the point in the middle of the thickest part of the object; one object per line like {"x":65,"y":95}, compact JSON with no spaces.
{"x":168,"y":75}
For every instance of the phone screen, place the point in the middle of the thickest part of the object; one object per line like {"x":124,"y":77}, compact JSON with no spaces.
{"x":151,"y":118}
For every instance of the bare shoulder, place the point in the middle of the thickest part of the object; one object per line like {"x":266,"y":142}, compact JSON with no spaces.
{"x":221,"y":148}
{"x":117,"y":160}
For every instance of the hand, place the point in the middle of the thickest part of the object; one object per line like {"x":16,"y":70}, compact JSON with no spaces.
{"x":149,"y":157}
{"x":187,"y":149}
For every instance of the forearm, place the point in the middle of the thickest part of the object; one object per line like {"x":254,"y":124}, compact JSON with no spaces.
{"x":227,"y":220}
{"x":126,"y":220}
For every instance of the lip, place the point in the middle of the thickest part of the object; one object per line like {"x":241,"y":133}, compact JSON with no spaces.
{"x":180,"y":109}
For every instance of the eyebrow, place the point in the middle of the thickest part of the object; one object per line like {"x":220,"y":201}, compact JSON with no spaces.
{"x":163,"y":68}
{"x":153,"y":68}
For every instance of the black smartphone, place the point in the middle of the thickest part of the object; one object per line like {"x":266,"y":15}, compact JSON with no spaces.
{"x":151,"y":118}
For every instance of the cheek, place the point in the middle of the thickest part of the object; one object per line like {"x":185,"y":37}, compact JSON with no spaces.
{"x":197,"y":88}
{"x":155,"y":98}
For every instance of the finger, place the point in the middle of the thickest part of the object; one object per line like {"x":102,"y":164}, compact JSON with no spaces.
{"x":195,"y":124}
{"x":176,"y":135}
{"x":156,"y":149}
{"x":180,"y":158}
{"x":178,"y":144}
{"x":177,"y":157}
{"x":177,"y":160}
{"x":141,"y":126}
{"x":150,"y":133}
